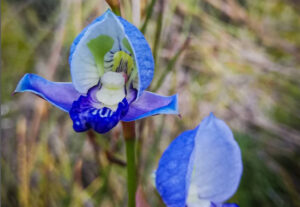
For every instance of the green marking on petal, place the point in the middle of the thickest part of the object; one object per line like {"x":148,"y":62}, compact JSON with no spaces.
{"x":127,"y":45}
{"x":99,"y":47}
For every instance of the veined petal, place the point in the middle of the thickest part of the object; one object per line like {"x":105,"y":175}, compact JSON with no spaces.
{"x":89,"y":48}
{"x":126,"y":37}
{"x":174,"y":170}
{"x":60,"y":94}
{"x":149,"y":104}
{"x":142,"y":53}
{"x":218,"y":164}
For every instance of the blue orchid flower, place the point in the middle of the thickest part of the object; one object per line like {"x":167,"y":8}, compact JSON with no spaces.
{"x":111,"y":66}
{"x":201,"y":167}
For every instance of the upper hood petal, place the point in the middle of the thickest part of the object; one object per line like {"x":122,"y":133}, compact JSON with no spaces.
{"x":85,"y":69}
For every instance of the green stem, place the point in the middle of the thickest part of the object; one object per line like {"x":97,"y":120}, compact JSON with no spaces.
{"x":129,"y":136}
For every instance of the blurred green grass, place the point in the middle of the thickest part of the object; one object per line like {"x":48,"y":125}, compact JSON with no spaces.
{"x":241,"y":61}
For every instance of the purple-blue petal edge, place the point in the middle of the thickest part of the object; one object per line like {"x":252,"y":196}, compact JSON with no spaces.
{"x":62,"y":95}
{"x":149,"y":104}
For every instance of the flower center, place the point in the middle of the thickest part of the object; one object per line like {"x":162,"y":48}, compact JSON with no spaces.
{"x":123,"y":62}
{"x":112,"y":91}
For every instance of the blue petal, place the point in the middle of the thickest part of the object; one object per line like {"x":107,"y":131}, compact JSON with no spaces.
{"x":149,"y":104}
{"x":199,"y":166}
{"x":60,"y":95}
{"x":224,"y":205}
{"x":173,"y":170}
{"x":87,"y":112}
{"x":143,"y":54}
{"x":218,"y":164}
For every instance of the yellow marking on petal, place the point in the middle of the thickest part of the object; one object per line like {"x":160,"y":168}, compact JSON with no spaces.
{"x":123,"y":62}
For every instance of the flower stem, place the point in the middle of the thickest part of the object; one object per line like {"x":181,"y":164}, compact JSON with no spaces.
{"x":129,"y":136}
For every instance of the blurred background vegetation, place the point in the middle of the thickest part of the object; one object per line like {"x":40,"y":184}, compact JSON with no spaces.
{"x":237,"y":58}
